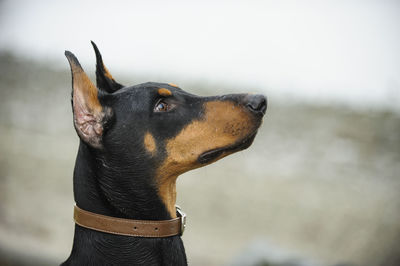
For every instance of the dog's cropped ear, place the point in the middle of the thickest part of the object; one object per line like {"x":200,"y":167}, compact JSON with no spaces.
{"x":104,"y":79}
{"x":89,"y":115}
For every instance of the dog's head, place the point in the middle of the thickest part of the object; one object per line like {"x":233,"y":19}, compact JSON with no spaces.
{"x":158,"y":130}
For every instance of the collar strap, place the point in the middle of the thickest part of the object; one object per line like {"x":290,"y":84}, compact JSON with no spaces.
{"x":128,"y":227}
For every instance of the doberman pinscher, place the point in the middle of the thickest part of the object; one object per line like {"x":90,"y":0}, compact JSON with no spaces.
{"x":134,"y":143}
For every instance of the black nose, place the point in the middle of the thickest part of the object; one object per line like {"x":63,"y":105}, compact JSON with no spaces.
{"x":256,"y":103}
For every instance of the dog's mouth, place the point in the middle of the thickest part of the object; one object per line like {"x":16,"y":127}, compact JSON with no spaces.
{"x":211,"y":155}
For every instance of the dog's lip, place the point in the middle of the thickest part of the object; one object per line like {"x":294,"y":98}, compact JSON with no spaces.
{"x":213,"y":154}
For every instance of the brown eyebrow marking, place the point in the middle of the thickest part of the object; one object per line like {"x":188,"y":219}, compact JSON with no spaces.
{"x":164,"y":92}
{"x":173,"y":85}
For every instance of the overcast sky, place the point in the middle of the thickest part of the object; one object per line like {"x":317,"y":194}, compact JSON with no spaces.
{"x":346,"y":51}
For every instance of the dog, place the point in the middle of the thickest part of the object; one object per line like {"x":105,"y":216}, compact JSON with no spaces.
{"x":134,"y":143}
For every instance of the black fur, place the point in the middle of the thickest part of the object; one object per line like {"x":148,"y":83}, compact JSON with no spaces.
{"x":119,"y":179}
{"x":103,"y":82}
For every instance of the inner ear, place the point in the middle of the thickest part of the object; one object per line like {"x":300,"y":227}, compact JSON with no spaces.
{"x":104,"y":79}
{"x":89,"y":115}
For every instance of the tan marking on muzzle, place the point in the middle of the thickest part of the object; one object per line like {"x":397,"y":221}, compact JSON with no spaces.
{"x":173,"y":85}
{"x":150,"y":143}
{"x":225,"y":123}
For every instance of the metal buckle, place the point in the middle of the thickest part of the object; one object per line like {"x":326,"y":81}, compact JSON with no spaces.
{"x":182,"y":215}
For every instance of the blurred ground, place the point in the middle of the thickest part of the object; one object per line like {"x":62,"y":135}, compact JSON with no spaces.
{"x":320,"y":183}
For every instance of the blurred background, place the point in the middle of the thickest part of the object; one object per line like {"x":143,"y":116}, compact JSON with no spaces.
{"x":319,"y":186}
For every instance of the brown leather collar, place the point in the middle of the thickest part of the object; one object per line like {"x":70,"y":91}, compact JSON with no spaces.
{"x":127,"y":227}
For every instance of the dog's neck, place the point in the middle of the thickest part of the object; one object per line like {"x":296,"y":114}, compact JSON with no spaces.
{"x":93,"y":191}
{"x":109,"y":249}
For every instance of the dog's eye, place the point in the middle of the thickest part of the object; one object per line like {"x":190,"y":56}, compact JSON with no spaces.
{"x":162,"y":106}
